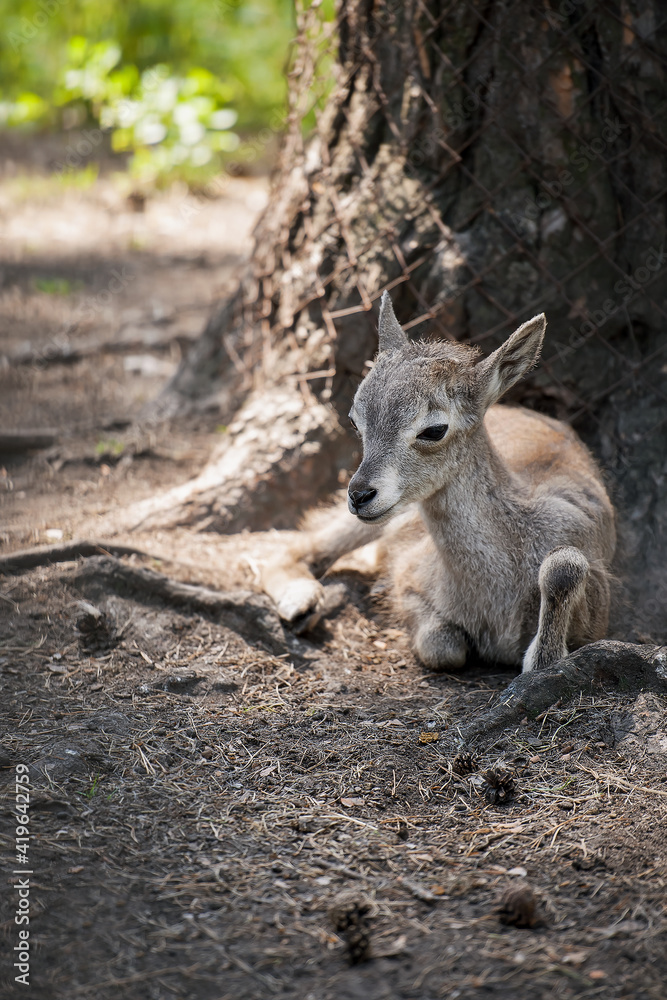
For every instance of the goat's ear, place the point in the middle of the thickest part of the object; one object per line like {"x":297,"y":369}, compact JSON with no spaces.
{"x":390,"y":332}
{"x":498,"y":373}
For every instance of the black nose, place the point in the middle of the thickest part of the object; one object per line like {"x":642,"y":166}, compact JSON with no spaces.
{"x":361,"y":498}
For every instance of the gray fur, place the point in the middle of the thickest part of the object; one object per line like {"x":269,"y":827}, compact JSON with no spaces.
{"x":496,"y":538}
{"x":390,"y":333}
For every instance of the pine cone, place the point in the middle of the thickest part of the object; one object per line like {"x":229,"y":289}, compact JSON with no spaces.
{"x":96,"y":630}
{"x":350,"y":916}
{"x":358,"y":940}
{"x":498,"y":786}
{"x":464,"y":763}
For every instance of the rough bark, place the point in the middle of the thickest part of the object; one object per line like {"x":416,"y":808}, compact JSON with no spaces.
{"x":281,"y":451}
{"x":486,"y":162}
{"x":619,"y":666}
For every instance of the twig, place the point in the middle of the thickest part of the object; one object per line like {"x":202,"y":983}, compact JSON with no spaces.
{"x":168,"y":970}
{"x":425,"y":895}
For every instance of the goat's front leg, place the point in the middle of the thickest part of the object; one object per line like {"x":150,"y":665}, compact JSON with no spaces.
{"x":440,"y":644}
{"x":290,"y":579}
{"x":294,"y":590}
{"x":563,"y":577}
{"x":423,"y":602}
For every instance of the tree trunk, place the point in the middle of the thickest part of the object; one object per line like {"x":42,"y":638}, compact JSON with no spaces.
{"x":484,"y":162}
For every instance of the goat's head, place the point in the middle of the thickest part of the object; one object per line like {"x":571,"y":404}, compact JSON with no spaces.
{"x":419,"y":407}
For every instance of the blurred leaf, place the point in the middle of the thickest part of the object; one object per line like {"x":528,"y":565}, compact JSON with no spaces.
{"x":110,"y":446}
{"x":25,"y":110}
{"x":56,"y":286}
{"x":236,"y":46}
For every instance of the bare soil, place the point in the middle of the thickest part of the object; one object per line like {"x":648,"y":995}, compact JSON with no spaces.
{"x":199,"y":801}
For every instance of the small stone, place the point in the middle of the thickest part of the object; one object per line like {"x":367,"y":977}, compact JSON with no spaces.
{"x":182,"y":681}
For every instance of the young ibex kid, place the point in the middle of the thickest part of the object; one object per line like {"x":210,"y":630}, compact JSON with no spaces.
{"x":495,"y":527}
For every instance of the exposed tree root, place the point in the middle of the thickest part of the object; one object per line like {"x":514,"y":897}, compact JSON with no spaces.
{"x":628,"y":668}
{"x":45,"y":555}
{"x":27,"y":440}
{"x":277,"y":457}
{"x":251,"y":615}
{"x":69,"y":353}
{"x":207,"y":366}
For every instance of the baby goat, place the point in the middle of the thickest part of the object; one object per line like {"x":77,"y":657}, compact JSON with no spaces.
{"x":494,"y":525}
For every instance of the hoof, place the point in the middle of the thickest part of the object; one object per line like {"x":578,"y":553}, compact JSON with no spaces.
{"x":299,"y":604}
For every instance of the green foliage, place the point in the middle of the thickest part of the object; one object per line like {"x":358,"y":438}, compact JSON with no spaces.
{"x":27,"y":109}
{"x":110,"y":447}
{"x":321,"y":42}
{"x":92,"y":791}
{"x":57,"y":286}
{"x":172,"y":124}
{"x":170,"y":79}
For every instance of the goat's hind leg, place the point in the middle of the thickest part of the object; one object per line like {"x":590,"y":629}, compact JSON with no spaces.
{"x":563,"y":577}
{"x":290,"y":579}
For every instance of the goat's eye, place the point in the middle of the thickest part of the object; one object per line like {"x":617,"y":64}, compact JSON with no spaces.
{"x":434,"y":433}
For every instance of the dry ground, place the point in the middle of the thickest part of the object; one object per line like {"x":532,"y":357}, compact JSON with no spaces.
{"x":199,"y":801}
